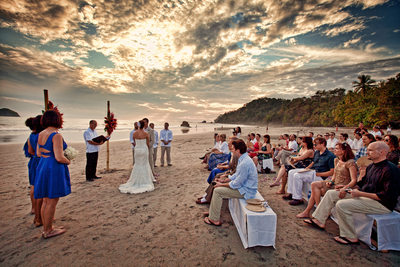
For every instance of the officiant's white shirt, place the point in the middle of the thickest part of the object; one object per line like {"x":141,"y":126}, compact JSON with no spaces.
{"x":89,"y":135}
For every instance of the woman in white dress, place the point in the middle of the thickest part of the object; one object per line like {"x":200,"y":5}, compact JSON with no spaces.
{"x":141,"y":179}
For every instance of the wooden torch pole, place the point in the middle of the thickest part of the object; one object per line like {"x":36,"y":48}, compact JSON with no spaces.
{"x":46,"y":99}
{"x":108,"y":143}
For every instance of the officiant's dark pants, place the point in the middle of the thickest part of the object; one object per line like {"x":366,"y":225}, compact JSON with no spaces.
{"x":91,"y":165}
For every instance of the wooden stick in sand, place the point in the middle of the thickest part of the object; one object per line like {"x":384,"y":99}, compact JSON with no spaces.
{"x":108,"y":143}
{"x":46,"y":99}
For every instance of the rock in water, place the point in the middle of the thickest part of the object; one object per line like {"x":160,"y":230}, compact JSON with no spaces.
{"x":185,"y":124}
{"x":8,"y":113}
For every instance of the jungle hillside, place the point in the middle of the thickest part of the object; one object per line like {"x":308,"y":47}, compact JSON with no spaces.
{"x":369,"y":101}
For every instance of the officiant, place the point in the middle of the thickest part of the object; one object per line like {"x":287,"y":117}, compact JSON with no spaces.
{"x":92,"y":151}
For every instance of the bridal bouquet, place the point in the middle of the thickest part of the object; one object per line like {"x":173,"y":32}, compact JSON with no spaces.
{"x":70,"y":153}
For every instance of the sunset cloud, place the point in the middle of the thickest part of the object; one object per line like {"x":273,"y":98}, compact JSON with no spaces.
{"x":200,"y":57}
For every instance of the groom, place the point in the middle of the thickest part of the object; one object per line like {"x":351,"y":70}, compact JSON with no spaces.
{"x":150,"y":131}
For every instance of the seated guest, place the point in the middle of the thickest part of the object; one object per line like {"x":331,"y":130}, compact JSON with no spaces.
{"x":344,"y":176}
{"x":376,"y":131}
{"x":366,"y":139}
{"x":265,"y":152}
{"x":361,"y":129}
{"x":331,"y":142}
{"x":283,"y":142}
{"x":220,"y":177}
{"x":394,"y":152}
{"x":344,"y":138}
{"x":376,"y":193}
{"x":357,"y":142}
{"x":320,"y":169}
{"x":243,"y":184}
{"x":222,"y":167}
{"x":288,"y":150}
{"x":257,"y":144}
{"x":216,"y":147}
{"x":220,"y":155}
{"x":304,"y":159}
{"x":251,"y":140}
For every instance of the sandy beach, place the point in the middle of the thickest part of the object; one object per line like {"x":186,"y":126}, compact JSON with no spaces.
{"x":159,"y":228}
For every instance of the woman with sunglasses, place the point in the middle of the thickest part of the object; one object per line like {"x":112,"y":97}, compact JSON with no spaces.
{"x":344,"y":176}
{"x":394,"y":152}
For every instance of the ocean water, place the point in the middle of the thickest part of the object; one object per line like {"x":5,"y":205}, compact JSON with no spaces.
{"x":13,"y":129}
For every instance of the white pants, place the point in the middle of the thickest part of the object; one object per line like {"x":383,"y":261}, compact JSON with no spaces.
{"x":296,"y":180}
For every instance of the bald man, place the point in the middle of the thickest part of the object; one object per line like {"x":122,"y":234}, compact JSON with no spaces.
{"x":376,"y":193}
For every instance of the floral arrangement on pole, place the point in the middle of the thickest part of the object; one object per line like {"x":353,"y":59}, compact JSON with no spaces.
{"x":110,"y":123}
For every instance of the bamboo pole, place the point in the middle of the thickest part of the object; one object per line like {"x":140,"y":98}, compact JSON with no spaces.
{"x":46,"y":99}
{"x":108,"y":143}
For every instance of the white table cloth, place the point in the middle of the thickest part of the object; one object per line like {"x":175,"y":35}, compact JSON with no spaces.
{"x":254,"y":228}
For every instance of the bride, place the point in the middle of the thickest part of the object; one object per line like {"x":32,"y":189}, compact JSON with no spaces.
{"x":141,"y":179}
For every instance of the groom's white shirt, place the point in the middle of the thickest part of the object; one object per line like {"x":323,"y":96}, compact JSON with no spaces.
{"x":167,"y":136}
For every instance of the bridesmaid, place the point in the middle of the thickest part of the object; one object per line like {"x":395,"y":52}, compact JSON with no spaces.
{"x":32,"y":166}
{"x":52,"y":177}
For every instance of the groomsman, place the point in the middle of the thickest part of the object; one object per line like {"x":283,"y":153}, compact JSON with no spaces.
{"x":150,"y":131}
{"x":166,"y":139}
{"x":155,"y":146}
{"x":136,"y":127}
{"x":92,"y":151}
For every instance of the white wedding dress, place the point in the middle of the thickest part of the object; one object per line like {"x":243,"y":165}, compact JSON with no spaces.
{"x":141,"y":179}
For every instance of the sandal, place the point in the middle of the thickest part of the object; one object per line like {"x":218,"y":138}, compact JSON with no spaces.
{"x":344,"y":241}
{"x":209,"y":222}
{"x":313,"y":224}
{"x":54,"y":232}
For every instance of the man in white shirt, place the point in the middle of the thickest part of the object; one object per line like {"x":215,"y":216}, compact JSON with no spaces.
{"x":166,"y":139}
{"x":331,"y":142}
{"x":136,"y":126}
{"x":344,"y":138}
{"x":92,"y":151}
{"x":357,"y":142}
{"x":150,"y":131}
{"x":288,"y":150}
{"x":155,"y":146}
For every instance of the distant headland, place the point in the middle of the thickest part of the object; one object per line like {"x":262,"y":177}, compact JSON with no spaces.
{"x":5,"y":112}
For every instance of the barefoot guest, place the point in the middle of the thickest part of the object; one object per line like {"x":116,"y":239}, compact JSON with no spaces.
{"x":52,"y":179}
{"x":242,"y":184}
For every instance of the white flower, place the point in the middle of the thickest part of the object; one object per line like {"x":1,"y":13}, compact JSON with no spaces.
{"x":70,"y":153}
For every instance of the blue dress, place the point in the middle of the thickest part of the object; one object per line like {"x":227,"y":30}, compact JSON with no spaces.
{"x":52,"y":178}
{"x":34,"y":161}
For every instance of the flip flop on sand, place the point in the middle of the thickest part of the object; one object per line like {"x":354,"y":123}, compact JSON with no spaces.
{"x":54,"y":232}
{"x":313,"y":224}
{"x":344,"y":241}
{"x":209,"y":222}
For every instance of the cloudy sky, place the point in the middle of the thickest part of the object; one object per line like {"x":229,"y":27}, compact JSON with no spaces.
{"x":179,"y":59}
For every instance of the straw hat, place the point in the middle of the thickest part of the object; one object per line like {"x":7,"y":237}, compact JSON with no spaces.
{"x":254,"y":201}
{"x":256,"y":208}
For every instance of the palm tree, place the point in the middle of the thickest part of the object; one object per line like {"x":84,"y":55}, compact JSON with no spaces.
{"x":363,"y":84}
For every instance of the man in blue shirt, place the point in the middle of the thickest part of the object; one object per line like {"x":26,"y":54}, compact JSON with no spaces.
{"x":242,"y":184}
{"x":320,"y":169}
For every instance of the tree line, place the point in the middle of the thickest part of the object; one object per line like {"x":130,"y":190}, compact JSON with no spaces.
{"x":371,"y":102}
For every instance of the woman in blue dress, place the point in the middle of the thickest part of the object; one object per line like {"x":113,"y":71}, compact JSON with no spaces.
{"x":52,"y":176}
{"x":36,"y":128}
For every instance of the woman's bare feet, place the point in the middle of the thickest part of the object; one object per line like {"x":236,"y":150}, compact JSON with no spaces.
{"x":53,"y":232}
